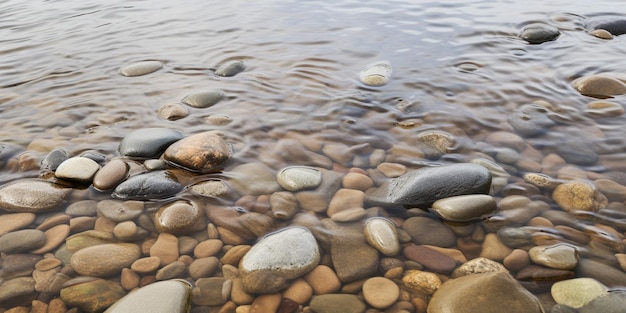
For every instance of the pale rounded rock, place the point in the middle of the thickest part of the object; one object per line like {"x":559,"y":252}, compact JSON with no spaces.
{"x":465,"y":208}
{"x":577,"y":292}
{"x":382,"y":234}
{"x":104,"y":260}
{"x":77,"y":168}
{"x":283,"y":205}
{"x":230,"y":68}
{"x":172,"y":111}
{"x":357,"y":181}
{"x":537,"y":33}
{"x":120,"y":211}
{"x":478,"y":266}
{"x":380,"y":292}
{"x":604,"y":109}
{"x":377,"y":74}
{"x":559,"y":256}
{"x":203,"y":99}
{"x":345,"y":199}
{"x":170,"y":296}
{"x":180,"y":217}
{"x":296,"y":178}
{"x":140,"y":68}
{"x":31,"y":196}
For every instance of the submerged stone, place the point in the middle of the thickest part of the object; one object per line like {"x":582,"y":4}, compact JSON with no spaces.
{"x":537,"y":33}
{"x":151,"y":185}
{"x":32,"y":196}
{"x":600,"y":86}
{"x":203,"y":99}
{"x":204,"y":152}
{"x":171,"y":296}
{"x":148,"y":143}
{"x":616,"y":25}
{"x":77,"y":168}
{"x":230,"y":68}
{"x":140,"y":68}
{"x":465,"y":208}
{"x":577,"y":292}
{"x":531,"y":120}
{"x":376,"y":74}
{"x":53,"y":159}
{"x":180,"y":217}
{"x":295,"y":178}
{"x":92,"y":296}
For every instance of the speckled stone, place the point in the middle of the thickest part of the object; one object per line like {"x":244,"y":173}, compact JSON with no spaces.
{"x":478,"y":266}
{"x":104,"y":260}
{"x":140,"y":68}
{"x":170,"y":296}
{"x":377,"y":74}
{"x":31,"y":196}
{"x":421,"y":281}
{"x":577,"y":292}
{"x":579,"y":195}
{"x":203,"y":152}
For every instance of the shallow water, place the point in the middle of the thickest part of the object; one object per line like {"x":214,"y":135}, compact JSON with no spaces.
{"x":457,"y":67}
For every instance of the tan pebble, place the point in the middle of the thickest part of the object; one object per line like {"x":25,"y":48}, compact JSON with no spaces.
{"x":243,"y":309}
{"x":111,"y":174}
{"x":323,"y":280}
{"x":234,"y":255}
{"x":539,"y":221}
{"x":357,"y":181}
{"x":55,"y":236}
{"x":380,"y":292}
{"x":146,"y":265}
{"x":528,"y":165}
{"x":47,"y":264}
{"x":517,"y":260}
{"x":265,"y":303}
{"x":212,"y":231}
{"x":129,"y":279}
{"x":420,"y":305}
{"x":603,"y":108}
{"x":82,"y":223}
{"x":38,"y":307}
{"x":15,"y":221}
{"x":172,"y":111}
{"x":229,"y":237}
{"x":299,"y":291}
{"x":494,"y":249}
{"x":345,"y":199}
{"x":104,"y":224}
{"x":147,"y":280}
{"x":203,"y":267}
{"x":165,"y":248}
{"x":423,"y":282}
{"x":56,"y":305}
{"x":601,"y":33}
{"x":621,"y":259}
{"x":186,"y":259}
{"x":54,"y":221}
{"x":353,"y":287}
{"x":238,"y":295}
{"x":125,"y":230}
{"x":394,"y":273}
{"x":337,"y":152}
{"x":391,"y":170}
{"x":43,"y":278}
{"x":18,"y":309}
{"x":579,"y":195}
{"x":230,"y":271}
{"x":349,"y":215}
{"x":571,"y":172}
{"x":542,"y":181}
{"x":210,"y":247}
{"x":146,"y":245}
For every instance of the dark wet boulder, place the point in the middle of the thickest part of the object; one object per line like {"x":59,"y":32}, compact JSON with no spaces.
{"x":151,"y":185}
{"x":616,"y":25}
{"x":148,"y":143}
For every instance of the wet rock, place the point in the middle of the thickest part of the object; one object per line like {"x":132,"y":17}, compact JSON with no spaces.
{"x":286,"y":254}
{"x":148,"y":143}
{"x":151,"y":185}
{"x":53,"y":159}
{"x":577,"y":292}
{"x":422,"y":187}
{"x":382,"y":234}
{"x":616,"y":25}
{"x":422,"y":282}
{"x":86,"y":239}
{"x":377,"y":74}
{"x":348,"y":244}
{"x":165,"y":248}
{"x":427,"y":231}
{"x":380,"y":292}
{"x":173,"y":270}
{"x":478,"y":266}
{"x":111,"y":174}
{"x":93,"y":296}
{"x":253,"y":179}
{"x":465,"y":208}
{"x":31,"y":196}
{"x":429,"y":258}
{"x":600,"y":86}
{"x":614,"y":301}
{"x":77,"y":168}
{"x":559,"y":256}
{"x":435,"y":144}
{"x":345,"y":199}
{"x":172,"y":111}
{"x":212,"y":188}
{"x":357,"y":181}
{"x":170,"y":296}
{"x":605,"y":274}
{"x":579,"y":195}
{"x":601,"y":33}
{"x":296,"y":178}
{"x":22,"y":241}
{"x":203,"y":99}
{"x":537,"y":33}
{"x":283,"y":205}
{"x":104,"y":260}
{"x":228,"y":218}
{"x":537,"y":273}
{"x":604,"y":109}
{"x":204,"y":152}
{"x":577,"y":150}
{"x":16,"y":287}
{"x":140,"y":68}
{"x":120,"y":211}
{"x":180,"y":218}
{"x":323,"y":280}
{"x":485,"y":293}
{"x":203,"y":267}
{"x":337,"y":303}
{"x":16,"y":265}
{"x":15,"y":221}
{"x":515,"y":237}
{"x":230,"y":68}
{"x":531,"y":120}
{"x":211,"y":291}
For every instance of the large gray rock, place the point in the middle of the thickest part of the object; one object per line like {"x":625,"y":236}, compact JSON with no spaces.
{"x":422,"y":187}
{"x":151,"y":185}
{"x":148,"y":143}
{"x":171,"y":296}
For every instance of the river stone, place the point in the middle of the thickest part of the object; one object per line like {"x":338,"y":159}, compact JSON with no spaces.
{"x":286,"y":254}
{"x":104,"y":260}
{"x":337,"y":303}
{"x":606,"y":274}
{"x":253,"y":179}
{"x":613,"y":302}
{"x":151,"y":185}
{"x":179,"y":218}
{"x":435,"y":143}
{"x":604,"y":109}
{"x":148,"y":143}
{"x":16,"y":287}
{"x":348,"y":244}
{"x":140,"y":68}
{"x":22,"y":241}
{"x":31,"y":196}
{"x":15,"y":221}
{"x":485,"y":293}
{"x":427,"y":231}
{"x":93,"y":296}
{"x":380,"y":292}
{"x":382,"y":234}
{"x":172,"y":111}
{"x":421,"y":282}
{"x":203,"y":99}
{"x":465,"y":208}
{"x":577,"y":292}
{"x":578,"y":150}
{"x":422,"y":187}
{"x":616,"y":25}
{"x":600,"y":86}
{"x":559,"y":256}
{"x":171,"y":296}
{"x":110,"y":175}
{"x":203,"y":153}
{"x":230,"y":68}
{"x":530,"y":120}
{"x":296,"y":178}
{"x":478,"y":266}
{"x":211,"y":291}
{"x":77,"y":168}
{"x":120,"y":211}
{"x":377,"y":74}
{"x":537,"y":33}
{"x":53,"y":159}
{"x":87,"y":238}
{"x":579,"y":195}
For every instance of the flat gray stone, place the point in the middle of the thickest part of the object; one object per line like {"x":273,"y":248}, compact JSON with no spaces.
{"x":148,"y":143}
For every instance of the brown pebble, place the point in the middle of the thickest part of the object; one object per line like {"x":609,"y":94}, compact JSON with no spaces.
{"x":431,"y":259}
{"x":129,"y":279}
{"x":48,"y":264}
{"x":15,"y":221}
{"x":238,"y":293}
{"x":56,"y":305}
{"x":203,"y":267}
{"x":146,"y":265}
{"x":165,"y":248}
{"x":323,"y":280}
{"x":391,"y":170}
{"x":82,"y":223}
{"x":357,"y":181}
{"x":38,"y":307}
{"x":345,"y":199}
{"x":229,"y":237}
{"x":266,"y":303}
{"x":207,"y":248}
{"x":299,"y":291}
{"x":111,"y":174}
{"x":54,"y":221}
{"x":55,"y":236}
{"x":517,"y":260}
{"x":287,"y":306}
{"x":234,"y":255}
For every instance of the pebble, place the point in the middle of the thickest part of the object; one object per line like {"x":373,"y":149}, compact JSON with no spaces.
{"x":578,"y":150}
{"x":542,"y":180}
{"x":280,"y":256}
{"x":382,"y":234}
{"x":537,"y":33}
{"x":422,"y":187}
{"x":140,"y":68}
{"x":537,"y":273}
{"x":82,"y":208}
{"x":53,"y":159}
{"x":427,"y":231}
{"x":380,"y":292}
{"x":465,"y":208}
{"x":345,"y":199}
{"x":86,"y":239}
{"x":420,"y":281}
{"x":172,"y":111}
{"x":104,"y":260}
{"x":211,"y":291}
{"x":337,"y":303}
{"x":299,"y":291}
{"x":165,"y":248}
{"x":323,"y":280}
{"x":577,"y":292}
{"x":531,"y":120}
{"x":253,"y":179}
{"x":391,"y":170}
{"x":93,"y":296}
{"x":173,"y":270}
{"x":146,"y":265}
{"x":429,"y":258}
{"x":494,"y":249}
{"x":202,"y":153}
{"x":203,"y":267}
{"x":110,"y":175}
{"x":148,"y":143}
{"x":120,"y":211}
{"x":211,"y":188}
{"x":600,"y":86}
{"x":435,"y":143}
{"x":488,"y":292}
{"x":296,"y":178}
{"x":616,"y":25}
{"x":614,"y":191}
{"x":283,"y":205}
{"x":170,"y":296}
{"x":559,"y":256}
{"x":203,"y":99}
{"x":31,"y":196}
{"x":347,"y":244}
{"x":55,"y":236}
{"x":377,"y":74}
{"x":608,"y":275}
{"x":517,"y":260}
{"x":601,"y":33}
{"x":230,"y":68}
{"x":148,"y":186}
{"x":14,"y":221}
{"x":478,"y":266}
{"x":180,"y":217}
{"x":579,"y":195}
{"x":17,"y":265}
{"x":516,"y":237}
{"x":604,"y":109}
{"x":77,"y":168}
{"x":16,"y":287}
{"x":317,"y":200}
{"x":357,"y":181}
{"x":614,"y":301}
{"x":227,"y":218}
{"x":209,"y":247}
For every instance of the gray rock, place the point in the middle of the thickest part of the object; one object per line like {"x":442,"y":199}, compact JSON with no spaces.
{"x":578,"y":150}
{"x":422,"y":187}
{"x":22,"y":241}
{"x":515,"y":237}
{"x":537,"y":33}
{"x":465,"y":208}
{"x":295,"y":178}
{"x":606,"y":274}
{"x":148,"y":143}
{"x":427,"y":231}
{"x":613,"y":302}
{"x":82,"y":208}
{"x":53,"y":159}
{"x":286,"y":254}
{"x":140,"y":68}
{"x":16,"y":287}
{"x":8,"y":151}
{"x":530,"y":120}
{"x":152,"y":185}
{"x":171,"y":296}
{"x":230,"y":68}
{"x":31,"y":195}
{"x":616,"y":25}
{"x":203,"y":99}
{"x":16,"y":265}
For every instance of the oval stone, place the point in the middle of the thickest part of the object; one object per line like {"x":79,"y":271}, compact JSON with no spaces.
{"x":377,"y":74}
{"x":337,"y":302}
{"x":53,"y":159}
{"x":171,"y":296}
{"x":577,"y":292}
{"x":537,"y":33}
{"x":31,"y":196}
{"x":22,"y":241}
{"x":104,"y":260}
{"x":203,"y":99}
{"x":616,"y":25}
{"x":295,"y":178}
{"x":599,"y":86}
{"x":77,"y":168}
{"x":203,"y":152}
{"x":151,"y":185}
{"x":148,"y":143}
{"x":120,"y":211}
{"x":15,"y":221}
{"x":230,"y":68}
{"x":382,"y":234}
{"x":110,"y":175}
{"x":465,"y":208}
{"x":173,"y":111}
{"x":380,"y":292}
{"x":179,"y":218}
{"x":559,"y":256}
{"x":92,"y":296}
{"x":140,"y":68}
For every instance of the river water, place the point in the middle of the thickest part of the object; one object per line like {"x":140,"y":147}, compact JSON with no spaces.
{"x":458,"y":67}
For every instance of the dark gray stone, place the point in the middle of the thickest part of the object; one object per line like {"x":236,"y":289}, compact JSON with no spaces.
{"x":422,"y":187}
{"x":148,"y":143}
{"x":152,"y":185}
{"x":230,"y":68}
{"x":577,"y":151}
{"x":613,"y":302}
{"x":616,"y":25}
{"x":53,"y":159}
{"x":537,"y":33}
